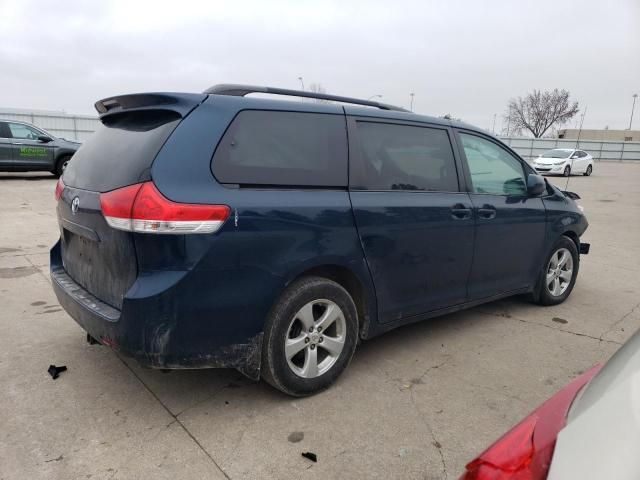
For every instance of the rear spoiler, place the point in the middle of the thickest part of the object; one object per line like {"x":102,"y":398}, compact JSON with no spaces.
{"x":571,"y":195}
{"x":181,"y":103}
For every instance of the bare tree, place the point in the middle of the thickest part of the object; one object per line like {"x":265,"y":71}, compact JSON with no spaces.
{"x":538,"y":111}
{"x":318,"y":88}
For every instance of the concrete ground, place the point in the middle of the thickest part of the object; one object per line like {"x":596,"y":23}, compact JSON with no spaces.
{"x":418,"y":402}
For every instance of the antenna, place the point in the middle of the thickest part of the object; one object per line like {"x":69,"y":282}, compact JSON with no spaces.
{"x":577,"y":144}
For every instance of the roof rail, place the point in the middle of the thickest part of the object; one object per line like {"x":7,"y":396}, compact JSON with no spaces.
{"x":242,"y":90}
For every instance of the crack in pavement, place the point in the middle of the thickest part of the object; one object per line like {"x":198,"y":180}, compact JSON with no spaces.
{"x":176,"y":419}
{"x":491,"y":389}
{"x":45,"y":276}
{"x":434,"y":440}
{"x":198,"y":403}
{"x":619,"y":321}
{"x":403,"y":385}
{"x":509,"y":316}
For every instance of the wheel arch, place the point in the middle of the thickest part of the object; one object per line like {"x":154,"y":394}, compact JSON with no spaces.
{"x":60,"y":156}
{"x":361,"y":292}
{"x":573,"y":236}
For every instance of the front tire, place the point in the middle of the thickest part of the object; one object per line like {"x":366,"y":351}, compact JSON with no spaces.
{"x":567,"y":171}
{"x":310,"y":336}
{"x":61,"y":165}
{"x":588,"y":171}
{"x":558,"y":276}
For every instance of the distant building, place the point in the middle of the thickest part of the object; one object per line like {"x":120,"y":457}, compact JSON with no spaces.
{"x":602,"y":135}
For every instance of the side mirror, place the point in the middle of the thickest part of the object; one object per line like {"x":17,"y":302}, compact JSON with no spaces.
{"x":535,"y":185}
{"x":575,"y":155}
{"x":44,"y":139}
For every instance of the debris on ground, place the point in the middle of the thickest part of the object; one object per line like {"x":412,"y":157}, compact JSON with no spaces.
{"x":311,"y":456}
{"x":56,"y":371}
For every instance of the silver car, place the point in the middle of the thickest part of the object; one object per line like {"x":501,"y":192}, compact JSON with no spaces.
{"x":588,"y":430}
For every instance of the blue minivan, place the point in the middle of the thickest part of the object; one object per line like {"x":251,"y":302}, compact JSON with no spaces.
{"x":271,"y":236}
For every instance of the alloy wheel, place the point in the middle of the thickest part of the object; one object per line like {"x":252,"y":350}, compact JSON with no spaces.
{"x":559,"y":272}
{"x":315,"y":338}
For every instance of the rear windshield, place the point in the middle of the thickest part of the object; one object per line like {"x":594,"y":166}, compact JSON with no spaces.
{"x":283,"y":148}
{"x":121,"y":151}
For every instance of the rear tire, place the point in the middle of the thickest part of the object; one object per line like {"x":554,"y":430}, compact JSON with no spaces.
{"x":61,"y":164}
{"x":299,"y":356}
{"x":567,"y":171}
{"x":588,"y":171}
{"x":559,"y":273}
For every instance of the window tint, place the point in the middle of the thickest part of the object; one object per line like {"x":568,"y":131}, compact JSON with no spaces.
{"x":493,"y":169}
{"x":4,"y":130}
{"x":24,"y":132}
{"x":283,"y":148}
{"x":402,"y":157}
{"x":121,"y":150}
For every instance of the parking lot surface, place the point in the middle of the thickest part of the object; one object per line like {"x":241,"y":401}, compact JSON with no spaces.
{"x":418,"y":402}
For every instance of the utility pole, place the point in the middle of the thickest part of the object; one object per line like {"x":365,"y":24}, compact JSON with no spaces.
{"x":411,"y":95}
{"x":635,"y":95}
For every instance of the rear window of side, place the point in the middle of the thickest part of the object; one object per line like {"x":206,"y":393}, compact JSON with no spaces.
{"x":280,"y":148}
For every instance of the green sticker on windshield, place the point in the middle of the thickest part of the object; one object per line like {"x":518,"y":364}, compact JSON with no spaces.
{"x":33,"y":152}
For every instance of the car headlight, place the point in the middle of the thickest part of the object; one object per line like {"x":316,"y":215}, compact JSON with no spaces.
{"x":560,"y":162}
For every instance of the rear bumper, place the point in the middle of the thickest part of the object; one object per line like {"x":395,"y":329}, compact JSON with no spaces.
{"x":149,"y":327}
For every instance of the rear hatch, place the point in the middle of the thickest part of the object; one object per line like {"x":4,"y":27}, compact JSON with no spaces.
{"x":134,"y":128}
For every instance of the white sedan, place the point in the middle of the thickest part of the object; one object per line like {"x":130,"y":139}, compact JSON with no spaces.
{"x":564,"y":161}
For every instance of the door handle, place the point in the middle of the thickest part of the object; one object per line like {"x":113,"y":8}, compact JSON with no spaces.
{"x":487,"y":212}
{"x":460,"y":212}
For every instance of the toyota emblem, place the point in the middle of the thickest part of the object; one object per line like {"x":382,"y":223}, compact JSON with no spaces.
{"x":75,"y":203}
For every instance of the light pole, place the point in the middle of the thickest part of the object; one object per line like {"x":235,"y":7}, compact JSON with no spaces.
{"x":411,"y":95}
{"x":635,"y":95}
{"x":493,"y":129}
{"x":302,"y":83}
{"x":374,"y":96}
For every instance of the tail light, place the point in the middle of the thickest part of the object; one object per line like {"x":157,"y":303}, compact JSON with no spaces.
{"x":59,"y":189}
{"x":142,"y":208}
{"x":524,"y":453}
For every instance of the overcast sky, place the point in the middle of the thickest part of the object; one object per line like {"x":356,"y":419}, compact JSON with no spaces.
{"x":466,"y":58}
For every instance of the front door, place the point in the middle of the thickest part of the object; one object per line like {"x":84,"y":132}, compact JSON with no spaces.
{"x":6,"y":147}
{"x":28,"y":151}
{"x":581,"y":162}
{"x":511,"y":225}
{"x":415,"y":225}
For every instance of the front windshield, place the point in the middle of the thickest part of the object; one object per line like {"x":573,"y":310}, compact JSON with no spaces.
{"x":557,"y":153}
